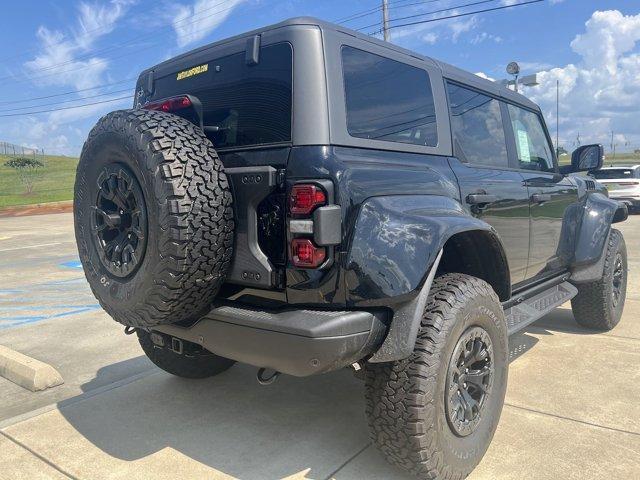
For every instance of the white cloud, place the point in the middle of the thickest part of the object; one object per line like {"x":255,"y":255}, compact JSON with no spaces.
{"x":485,"y":36}
{"x":66,"y":59}
{"x":429,"y":38}
{"x":194,"y":22}
{"x":458,"y":27}
{"x":485,"y":76}
{"x":601,"y":92}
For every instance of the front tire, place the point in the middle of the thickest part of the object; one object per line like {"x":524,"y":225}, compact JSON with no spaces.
{"x":434,"y":414}
{"x":194,"y":362}
{"x":599,"y":304}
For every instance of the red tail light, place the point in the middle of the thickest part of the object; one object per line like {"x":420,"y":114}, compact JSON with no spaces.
{"x":169,"y":104}
{"x":305,"y":254}
{"x":305,"y":198}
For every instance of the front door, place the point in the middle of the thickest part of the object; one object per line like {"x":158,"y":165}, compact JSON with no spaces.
{"x":491,"y":190}
{"x":550,"y":194}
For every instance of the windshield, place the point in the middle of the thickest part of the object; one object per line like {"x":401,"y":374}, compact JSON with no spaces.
{"x":613,"y":173}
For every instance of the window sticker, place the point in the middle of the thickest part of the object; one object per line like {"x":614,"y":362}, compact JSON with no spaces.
{"x":523,"y":146}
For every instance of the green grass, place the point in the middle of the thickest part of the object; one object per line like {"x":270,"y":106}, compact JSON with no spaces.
{"x":620,"y":159}
{"x":54,"y":185}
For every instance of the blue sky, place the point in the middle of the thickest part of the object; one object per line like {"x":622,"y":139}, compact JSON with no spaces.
{"x":68,"y":46}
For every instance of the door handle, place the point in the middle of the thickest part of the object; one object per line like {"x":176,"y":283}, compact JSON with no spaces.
{"x":481,"y":198}
{"x":540,"y":197}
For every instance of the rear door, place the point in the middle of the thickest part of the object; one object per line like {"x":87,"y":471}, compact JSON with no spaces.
{"x":550,"y":194}
{"x":490,"y":188}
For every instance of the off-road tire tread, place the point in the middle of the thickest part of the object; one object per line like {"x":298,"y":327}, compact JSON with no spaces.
{"x":592,"y":305}
{"x":194,"y":201}
{"x":400,"y":397}
{"x":203,"y":365}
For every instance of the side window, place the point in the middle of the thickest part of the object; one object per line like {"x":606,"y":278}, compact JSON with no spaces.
{"x":534,"y":151}
{"x":387,"y":100}
{"x":476,"y":123}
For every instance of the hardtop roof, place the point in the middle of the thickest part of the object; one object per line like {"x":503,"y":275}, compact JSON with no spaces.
{"x":328,"y":28}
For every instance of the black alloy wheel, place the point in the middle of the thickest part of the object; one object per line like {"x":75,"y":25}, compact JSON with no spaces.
{"x":469,"y":380}
{"x":119,"y":221}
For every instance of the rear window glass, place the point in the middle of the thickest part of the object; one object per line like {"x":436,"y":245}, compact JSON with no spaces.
{"x":613,"y":173}
{"x":388,"y":100}
{"x":243,"y":105}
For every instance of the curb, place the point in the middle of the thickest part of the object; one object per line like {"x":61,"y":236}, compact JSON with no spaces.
{"x":27,"y":372}
{"x":64,"y":206}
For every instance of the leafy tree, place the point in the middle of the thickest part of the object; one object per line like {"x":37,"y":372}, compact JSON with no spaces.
{"x":562,"y":151}
{"x":29,"y":170}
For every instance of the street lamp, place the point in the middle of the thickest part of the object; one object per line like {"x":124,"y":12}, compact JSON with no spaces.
{"x":514,"y":69}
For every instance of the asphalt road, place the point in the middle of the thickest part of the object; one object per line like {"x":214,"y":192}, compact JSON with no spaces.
{"x":571,"y":408}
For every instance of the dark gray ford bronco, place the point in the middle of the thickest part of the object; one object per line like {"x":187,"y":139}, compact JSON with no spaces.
{"x":303,"y":198}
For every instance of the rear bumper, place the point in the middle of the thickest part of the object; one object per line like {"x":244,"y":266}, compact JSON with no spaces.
{"x":298,"y":342}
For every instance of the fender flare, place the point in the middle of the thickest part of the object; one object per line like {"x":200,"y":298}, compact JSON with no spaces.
{"x":600,"y":212}
{"x":394,"y":255}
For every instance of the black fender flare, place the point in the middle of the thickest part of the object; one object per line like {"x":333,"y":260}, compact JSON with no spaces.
{"x":394,"y":255}
{"x":592,"y":235}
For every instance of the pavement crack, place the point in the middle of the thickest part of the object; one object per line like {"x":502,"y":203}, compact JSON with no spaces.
{"x":583,"y":422}
{"x":346,"y":462}
{"x":38,"y":456}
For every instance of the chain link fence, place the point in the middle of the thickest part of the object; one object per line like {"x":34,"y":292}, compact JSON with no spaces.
{"x":30,"y":176}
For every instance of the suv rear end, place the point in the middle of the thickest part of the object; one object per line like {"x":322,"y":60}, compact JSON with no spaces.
{"x":284,"y":293}
{"x":622,"y":183}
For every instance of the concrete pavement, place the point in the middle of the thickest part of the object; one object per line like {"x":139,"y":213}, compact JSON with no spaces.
{"x":570,"y":410}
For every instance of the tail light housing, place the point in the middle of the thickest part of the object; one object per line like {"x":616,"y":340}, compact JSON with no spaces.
{"x":305,"y":203}
{"x":304,"y":198}
{"x":305,"y":254}
{"x":170,"y":104}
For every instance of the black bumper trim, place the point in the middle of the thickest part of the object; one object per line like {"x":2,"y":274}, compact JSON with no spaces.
{"x":299,"y":342}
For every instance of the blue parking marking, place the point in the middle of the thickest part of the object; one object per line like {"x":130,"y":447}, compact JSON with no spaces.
{"x":72,"y":264}
{"x":48,"y":300}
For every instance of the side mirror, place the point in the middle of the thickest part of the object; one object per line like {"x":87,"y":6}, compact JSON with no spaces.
{"x":586,"y":158}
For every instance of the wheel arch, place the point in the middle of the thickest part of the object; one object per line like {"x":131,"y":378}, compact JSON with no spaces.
{"x":398,"y":245}
{"x":478,"y":253}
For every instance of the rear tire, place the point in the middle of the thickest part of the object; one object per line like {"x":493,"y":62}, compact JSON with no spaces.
{"x":194,"y":362}
{"x":599,"y":304}
{"x":153,"y":218}
{"x":416,"y":407}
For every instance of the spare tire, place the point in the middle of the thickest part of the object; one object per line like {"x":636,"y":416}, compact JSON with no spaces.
{"x":153,"y":218}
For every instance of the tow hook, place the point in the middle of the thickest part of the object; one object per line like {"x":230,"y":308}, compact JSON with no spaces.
{"x":264,"y":380}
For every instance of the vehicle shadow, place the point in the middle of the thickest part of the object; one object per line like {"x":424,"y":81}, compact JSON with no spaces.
{"x":234,"y":425}
{"x":230,"y":422}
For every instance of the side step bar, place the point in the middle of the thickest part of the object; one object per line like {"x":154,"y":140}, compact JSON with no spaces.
{"x":531,"y":309}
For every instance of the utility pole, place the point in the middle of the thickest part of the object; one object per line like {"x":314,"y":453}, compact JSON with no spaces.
{"x":557,"y":118}
{"x":385,"y":19}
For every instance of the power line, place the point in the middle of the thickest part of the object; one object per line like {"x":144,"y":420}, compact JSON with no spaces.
{"x":194,"y":19}
{"x":65,"y":101}
{"x":86,"y":34}
{"x":65,"y":108}
{"x":372,"y":11}
{"x":73,"y":92}
{"x":504,"y":7}
{"x":429,"y":13}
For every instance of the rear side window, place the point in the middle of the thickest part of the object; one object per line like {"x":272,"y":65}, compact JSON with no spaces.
{"x":243,"y":105}
{"x":387,"y":100}
{"x":476,"y":124}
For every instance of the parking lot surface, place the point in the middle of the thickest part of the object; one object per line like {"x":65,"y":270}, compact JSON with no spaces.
{"x":571,"y":407}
